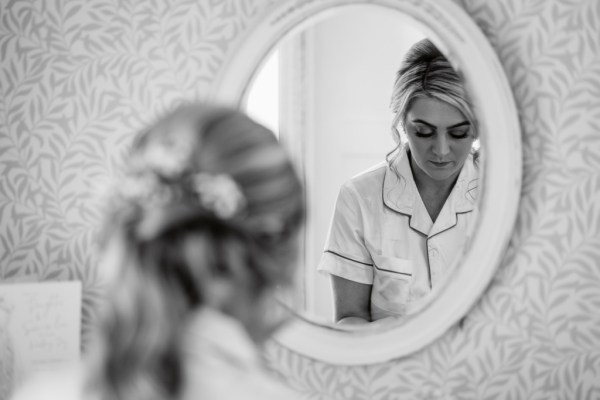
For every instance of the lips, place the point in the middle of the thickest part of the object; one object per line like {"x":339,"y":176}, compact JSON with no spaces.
{"x":441,"y":164}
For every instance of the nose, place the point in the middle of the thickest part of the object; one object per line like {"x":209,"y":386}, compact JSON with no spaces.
{"x":441,"y":146}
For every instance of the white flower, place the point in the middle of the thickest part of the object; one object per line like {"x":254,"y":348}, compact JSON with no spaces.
{"x":219,"y":194}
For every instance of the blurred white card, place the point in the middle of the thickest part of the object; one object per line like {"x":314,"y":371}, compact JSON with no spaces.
{"x":40,"y":326}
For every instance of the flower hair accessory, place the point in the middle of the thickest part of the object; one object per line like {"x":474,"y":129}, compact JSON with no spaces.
{"x":219,"y":194}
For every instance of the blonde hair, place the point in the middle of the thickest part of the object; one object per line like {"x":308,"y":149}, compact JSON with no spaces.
{"x":174,"y":246}
{"x":425,"y":72}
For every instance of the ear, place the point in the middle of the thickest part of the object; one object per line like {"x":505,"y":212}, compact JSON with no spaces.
{"x":110,"y":261}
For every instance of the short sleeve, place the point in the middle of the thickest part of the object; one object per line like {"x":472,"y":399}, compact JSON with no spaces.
{"x":345,"y":253}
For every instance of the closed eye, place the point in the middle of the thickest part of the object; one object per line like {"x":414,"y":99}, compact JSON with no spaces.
{"x":424,"y":133}
{"x":423,"y":129}
{"x":459,"y":134}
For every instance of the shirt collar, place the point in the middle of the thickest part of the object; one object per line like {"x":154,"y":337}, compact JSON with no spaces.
{"x":400,"y":194}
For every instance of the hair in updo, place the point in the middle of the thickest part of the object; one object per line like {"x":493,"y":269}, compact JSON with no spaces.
{"x":207,"y":193}
{"x":425,"y":72}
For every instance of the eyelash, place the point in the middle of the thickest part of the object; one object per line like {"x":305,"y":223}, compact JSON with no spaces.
{"x":430,"y":134}
{"x":423,"y":134}
{"x":463,"y":135}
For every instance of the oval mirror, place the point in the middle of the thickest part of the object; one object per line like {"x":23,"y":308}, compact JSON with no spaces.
{"x":320,"y":74}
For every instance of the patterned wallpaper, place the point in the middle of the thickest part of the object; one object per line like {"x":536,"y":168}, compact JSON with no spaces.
{"x":78,"y":77}
{"x":77,"y":80}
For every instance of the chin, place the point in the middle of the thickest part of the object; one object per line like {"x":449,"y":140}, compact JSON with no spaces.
{"x":442,"y":175}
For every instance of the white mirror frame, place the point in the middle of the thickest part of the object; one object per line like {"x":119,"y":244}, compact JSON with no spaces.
{"x":449,"y":27}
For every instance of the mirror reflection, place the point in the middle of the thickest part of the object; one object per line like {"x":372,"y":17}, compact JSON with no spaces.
{"x":385,"y":136}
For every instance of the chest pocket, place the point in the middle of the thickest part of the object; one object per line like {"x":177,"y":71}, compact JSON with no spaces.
{"x":392,"y":284}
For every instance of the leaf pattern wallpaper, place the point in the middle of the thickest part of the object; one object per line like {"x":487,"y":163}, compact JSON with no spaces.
{"x":78,"y":78}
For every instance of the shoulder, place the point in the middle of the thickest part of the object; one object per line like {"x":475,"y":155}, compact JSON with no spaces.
{"x":246,"y":387}
{"x":466,"y":189}
{"x":368,"y":181}
{"x":62,"y":384}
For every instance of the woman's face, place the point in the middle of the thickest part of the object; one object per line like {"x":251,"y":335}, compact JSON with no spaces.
{"x":440,"y":138}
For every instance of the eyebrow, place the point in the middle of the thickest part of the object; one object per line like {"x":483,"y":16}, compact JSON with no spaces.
{"x":420,"y":121}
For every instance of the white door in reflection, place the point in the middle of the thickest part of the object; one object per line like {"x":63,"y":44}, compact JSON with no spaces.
{"x":331,"y":105}
{"x":262,"y":102}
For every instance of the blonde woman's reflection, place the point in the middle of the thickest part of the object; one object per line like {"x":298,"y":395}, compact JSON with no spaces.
{"x":398,"y":227}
